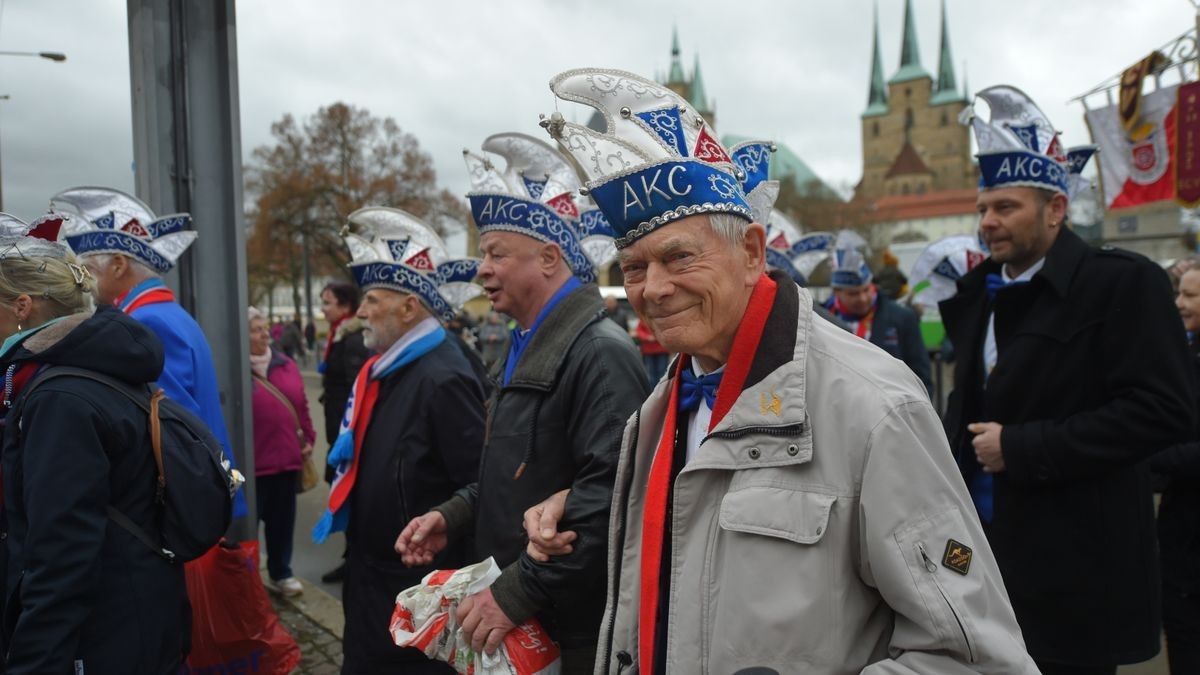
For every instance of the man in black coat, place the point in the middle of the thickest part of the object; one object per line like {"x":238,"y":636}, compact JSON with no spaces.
{"x":1072,"y":369}
{"x":568,"y":384}
{"x":414,"y":438}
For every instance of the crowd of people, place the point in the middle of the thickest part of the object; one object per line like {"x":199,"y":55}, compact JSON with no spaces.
{"x":734,"y":478}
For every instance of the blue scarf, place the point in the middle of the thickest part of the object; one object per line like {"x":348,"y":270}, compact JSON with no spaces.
{"x":521,"y":339}
{"x":343,"y":456}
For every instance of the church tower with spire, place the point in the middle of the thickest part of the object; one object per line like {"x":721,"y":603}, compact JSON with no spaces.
{"x":911,"y":139}
{"x":691,"y":89}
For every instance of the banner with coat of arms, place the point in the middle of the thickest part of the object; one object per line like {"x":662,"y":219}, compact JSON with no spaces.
{"x":1138,"y":138}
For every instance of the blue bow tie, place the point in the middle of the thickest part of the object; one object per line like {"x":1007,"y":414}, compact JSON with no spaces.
{"x":995,"y":282}
{"x":691,"y":388}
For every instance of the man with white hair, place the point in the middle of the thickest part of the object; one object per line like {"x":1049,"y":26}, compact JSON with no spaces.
{"x":412,"y":431}
{"x":786,"y":501}
{"x":127,"y":250}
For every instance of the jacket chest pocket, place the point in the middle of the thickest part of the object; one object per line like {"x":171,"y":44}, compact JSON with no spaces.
{"x":794,"y":515}
{"x":770,"y":564}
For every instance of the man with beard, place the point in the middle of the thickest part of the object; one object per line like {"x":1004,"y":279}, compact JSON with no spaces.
{"x":1072,"y":369}
{"x":411,"y":433}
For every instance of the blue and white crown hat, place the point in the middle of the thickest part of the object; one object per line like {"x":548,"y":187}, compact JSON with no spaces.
{"x":394,"y":249}
{"x":111,"y":221}
{"x":850,"y":267}
{"x":657,"y":160}
{"x":536,"y":195}
{"x":795,"y":253}
{"x":1077,"y":160}
{"x":936,"y":271}
{"x":1019,"y":147}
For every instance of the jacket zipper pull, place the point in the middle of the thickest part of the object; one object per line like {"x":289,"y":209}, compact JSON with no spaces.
{"x":930,"y":566}
{"x":624,"y":660}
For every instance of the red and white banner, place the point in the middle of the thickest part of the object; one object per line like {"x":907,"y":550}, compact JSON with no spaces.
{"x":1187,"y":139}
{"x":1135,"y":167}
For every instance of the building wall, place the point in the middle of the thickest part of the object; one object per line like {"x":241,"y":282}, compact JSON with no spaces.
{"x":932,"y":229}
{"x":942,"y":143}
{"x":1154,"y":230}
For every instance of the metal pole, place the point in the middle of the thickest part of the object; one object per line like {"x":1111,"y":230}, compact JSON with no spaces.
{"x":187,"y":151}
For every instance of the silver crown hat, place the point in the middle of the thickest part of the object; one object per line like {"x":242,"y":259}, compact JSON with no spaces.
{"x":1019,"y":147}
{"x":39,"y":239}
{"x":111,"y":221}
{"x":537,"y":194}
{"x":936,"y":271}
{"x":656,"y":162}
{"x":393,"y":249}
{"x":787,"y":249}
{"x":850,"y":267}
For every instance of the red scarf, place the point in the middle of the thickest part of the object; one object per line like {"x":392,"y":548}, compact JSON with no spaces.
{"x":366,"y":393}
{"x":745,"y":344}
{"x":146,"y":297}
{"x":332,"y":332}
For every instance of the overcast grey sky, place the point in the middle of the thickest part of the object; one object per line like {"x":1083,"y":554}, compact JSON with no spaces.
{"x":453,"y":71}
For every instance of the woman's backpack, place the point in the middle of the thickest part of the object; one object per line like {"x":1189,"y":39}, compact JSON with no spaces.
{"x":195,"y":484}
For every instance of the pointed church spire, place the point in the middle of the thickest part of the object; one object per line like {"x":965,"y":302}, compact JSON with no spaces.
{"x":945,"y":90}
{"x":945,"y":81}
{"x":676,"y":73}
{"x":877,"y":94}
{"x":699,"y":97}
{"x":910,"y":52}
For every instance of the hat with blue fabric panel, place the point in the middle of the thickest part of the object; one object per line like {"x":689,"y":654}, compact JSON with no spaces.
{"x":1018,"y":147}
{"x":537,"y":195}
{"x":111,"y":221}
{"x":395,"y":250}
{"x":787,"y":249}
{"x":850,"y":269}
{"x":657,"y":160}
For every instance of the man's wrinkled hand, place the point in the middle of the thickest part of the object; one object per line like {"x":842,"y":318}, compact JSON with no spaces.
{"x":482,"y":621}
{"x":987,"y":445}
{"x":541,"y":527}
{"x":423,"y":538}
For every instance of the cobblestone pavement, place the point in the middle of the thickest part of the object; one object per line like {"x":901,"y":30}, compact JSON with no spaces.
{"x":321,"y":650}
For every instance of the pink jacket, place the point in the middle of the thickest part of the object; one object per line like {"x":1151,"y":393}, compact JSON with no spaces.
{"x":276,"y":445}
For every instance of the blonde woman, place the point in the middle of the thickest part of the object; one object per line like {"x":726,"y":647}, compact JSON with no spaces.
{"x":82,"y":595}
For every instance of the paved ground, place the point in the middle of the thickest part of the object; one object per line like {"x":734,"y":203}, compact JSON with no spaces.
{"x":315,"y":618}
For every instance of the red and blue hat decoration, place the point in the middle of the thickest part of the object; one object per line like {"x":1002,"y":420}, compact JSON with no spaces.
{"x":537,"y":194}
{"x":111,"y":221}
{"x":657,"y":160}
{"x":395,"y":250}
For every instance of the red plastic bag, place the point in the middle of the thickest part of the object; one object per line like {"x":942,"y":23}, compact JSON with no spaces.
{"x":234,"y":627}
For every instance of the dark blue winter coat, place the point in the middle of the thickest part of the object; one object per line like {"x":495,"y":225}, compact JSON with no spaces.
{"x":80,"y":593}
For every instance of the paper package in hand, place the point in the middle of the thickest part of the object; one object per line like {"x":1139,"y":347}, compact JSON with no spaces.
{"x":424,"y":618}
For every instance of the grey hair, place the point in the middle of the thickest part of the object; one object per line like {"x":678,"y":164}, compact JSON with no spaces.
{"x":729,"y":227}
{"x":253,"y":313}
{"x":141,"y":271}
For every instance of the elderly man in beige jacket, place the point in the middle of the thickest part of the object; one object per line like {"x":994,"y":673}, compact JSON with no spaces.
{"x":786,"y":500}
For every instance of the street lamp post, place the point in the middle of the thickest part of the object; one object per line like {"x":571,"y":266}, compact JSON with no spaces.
{"x":53,"y":56}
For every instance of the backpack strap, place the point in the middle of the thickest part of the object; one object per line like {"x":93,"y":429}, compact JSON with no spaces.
{"x":151,"y":409}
